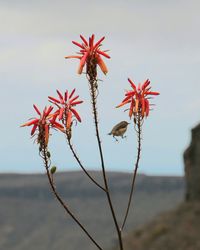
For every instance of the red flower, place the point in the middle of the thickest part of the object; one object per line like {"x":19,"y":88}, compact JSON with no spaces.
{"x":138,"y":99}
{"x":90,"y":50}
{"x":65,"y":105}
{"x":43,"y":123}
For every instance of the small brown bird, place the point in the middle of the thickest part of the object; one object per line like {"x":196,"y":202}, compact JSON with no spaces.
{"x":119,"y":129}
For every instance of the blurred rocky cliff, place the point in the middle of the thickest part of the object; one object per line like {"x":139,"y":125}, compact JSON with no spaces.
{"x":192,"y":166}
{"x":178,"y":229}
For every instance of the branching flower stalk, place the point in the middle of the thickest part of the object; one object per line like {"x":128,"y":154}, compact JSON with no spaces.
{"x":80,"y":164}
{"x":139,"y":109}
{"x":65,"y":113}
{"x":44,"y":123}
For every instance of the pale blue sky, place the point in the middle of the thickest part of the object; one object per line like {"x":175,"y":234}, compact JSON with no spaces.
{"x":154,"y":39}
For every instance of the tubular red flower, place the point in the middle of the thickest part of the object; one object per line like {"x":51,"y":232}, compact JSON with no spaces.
{"x":76,"y":114}
{"x":147,"y":107}
{"x":72,"y":93}
{"x":53,"y":99}
{"x":58,"y":126}
{"x":46,"y":128}
{"x":126,"y":99}
{"x":35,"y":121}
{"x":102,"y":65}
{"x":130,"y":93}
{"x":78,"y":44}
{"x":69,"y":119}
{"x":82,"y":63}
{"x":143,"y":106}
{"x":34,"y":129}
{"x":145,"y":84}
{"x":84,"y":40}
{"x":77,"y":102}
{"x":123,"y":103}
{"x":49,"y":111}
{"x":53,"y":117}
{"x":73,"y":99}
{"x":131,"y":107}
{"x":61,"y":113}
{"x":60,"y":96}
{"x":91,"y":41}
{"x":36,"y":109}
{"x":66,"y":95}
{"x":132,"y":84}
{"x":136,"y":106}
{"x":103,"y":54}
{"x":152,"y":93}
{"x":77,"y":57}
{"x":98,"y":43}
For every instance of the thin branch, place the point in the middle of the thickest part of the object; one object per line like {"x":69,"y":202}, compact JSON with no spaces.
{"x":68,"y":137}
{"x":81,"y":165}
{"x":45,"y":158}
{"x":139,"y":132}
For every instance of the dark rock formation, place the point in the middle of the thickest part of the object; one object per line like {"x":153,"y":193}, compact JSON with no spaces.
{"x":192,"y":166}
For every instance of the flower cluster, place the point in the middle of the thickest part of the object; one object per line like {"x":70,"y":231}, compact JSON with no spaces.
{"x":90,"y":51}
{"x":65,"y":113}
{"x":138,"y":98}
{"x":66,"y":104}
{"x":42,"y":124}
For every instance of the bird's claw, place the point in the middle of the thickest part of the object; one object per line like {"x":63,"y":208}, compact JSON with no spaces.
{"x":116,"y":139}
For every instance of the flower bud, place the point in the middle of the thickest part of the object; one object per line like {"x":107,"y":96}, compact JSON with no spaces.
{"x":48,"y":154}
{"x":53,"y":169}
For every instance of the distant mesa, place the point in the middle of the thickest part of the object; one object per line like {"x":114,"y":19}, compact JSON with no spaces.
{"x":192,"y":166}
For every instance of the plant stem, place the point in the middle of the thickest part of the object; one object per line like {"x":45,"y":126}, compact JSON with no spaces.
{"x":93,"y":88}
{"x":139,"y":132}
{"x":81,"y":165}
{"x":45,"y":158}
